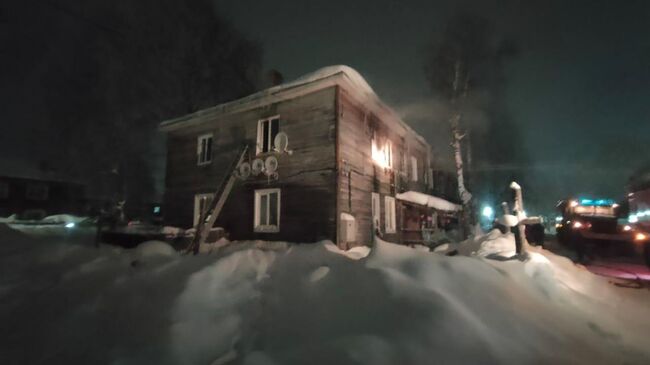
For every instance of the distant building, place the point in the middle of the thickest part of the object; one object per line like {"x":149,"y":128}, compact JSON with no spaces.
{"x":35,"y":192}
{"x":351,"y":161}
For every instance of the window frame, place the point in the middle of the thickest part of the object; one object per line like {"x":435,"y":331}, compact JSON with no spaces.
{"x":260,"y":134}
{"x":389,"y":212}
{"x":414,"y":168}
{"x":257,"y":224}
{"x":203,"y":157}
{"x":197,"y":206}
{"x":375,"y":201}
{"x":389,"y":154}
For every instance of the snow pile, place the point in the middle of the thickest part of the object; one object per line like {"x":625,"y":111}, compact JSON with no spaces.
{"x":154,"y":249}
{"x":8,"y":219}
{"x":274,"y":303}
{"x":62,"y":219}
{"x":428,"y":200}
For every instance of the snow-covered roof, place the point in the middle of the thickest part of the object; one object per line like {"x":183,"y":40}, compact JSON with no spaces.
{"x":353,"y":75}
{"x":341,"y":75}
{"x":428,"y":200}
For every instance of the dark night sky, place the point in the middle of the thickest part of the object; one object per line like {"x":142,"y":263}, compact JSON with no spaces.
{"x":579,"y":88}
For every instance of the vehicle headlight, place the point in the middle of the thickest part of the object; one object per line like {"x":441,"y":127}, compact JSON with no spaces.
{"x":578,"y":225}
{"x":640,"y":237}
{"x":627,"y":228}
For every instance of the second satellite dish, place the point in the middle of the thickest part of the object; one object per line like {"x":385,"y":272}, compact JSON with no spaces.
{"x":258,"y":166}
{"x":271,"y":164}
{"x":281,"y":142}
{"x":244,"y":170}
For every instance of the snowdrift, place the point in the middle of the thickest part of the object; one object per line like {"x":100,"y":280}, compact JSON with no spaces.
{"x":277,"y":303}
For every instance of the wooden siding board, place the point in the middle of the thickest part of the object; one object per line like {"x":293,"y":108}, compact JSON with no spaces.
{"x":307,"y":177}
{"x":355,"y":126}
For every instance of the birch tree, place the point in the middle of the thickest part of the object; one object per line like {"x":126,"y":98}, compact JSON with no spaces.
{"x":463,"y":64}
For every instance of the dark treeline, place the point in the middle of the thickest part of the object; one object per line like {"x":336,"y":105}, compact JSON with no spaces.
{"x":103,"y":74}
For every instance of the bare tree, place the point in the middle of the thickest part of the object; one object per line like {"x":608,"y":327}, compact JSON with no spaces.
{"x":463,"y":65}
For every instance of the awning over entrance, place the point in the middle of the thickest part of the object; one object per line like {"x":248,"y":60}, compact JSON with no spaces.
{"x":429,"y":201}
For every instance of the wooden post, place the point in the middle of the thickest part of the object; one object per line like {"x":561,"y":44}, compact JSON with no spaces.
{"x":520,"y":229}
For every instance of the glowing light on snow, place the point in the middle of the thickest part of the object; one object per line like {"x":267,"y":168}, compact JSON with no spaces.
{"x":488,"y":212}
{"x":69,"y":225}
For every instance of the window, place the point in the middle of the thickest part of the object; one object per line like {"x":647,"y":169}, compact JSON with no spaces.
{"x":376,"y":210}
{"x":201,"y":204}
{"x":382,"y":155}
{"x":37,"y":191}
{"x":204,"y":149}
{"x":389,"y":154}
{"x":389,"y":206}
{"x":4,"y":190}
{"x":414,"y":168}
{"x":267,"y":129}
{"x":267,"y":210}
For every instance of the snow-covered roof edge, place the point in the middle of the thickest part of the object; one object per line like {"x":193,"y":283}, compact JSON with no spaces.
{"x":324,"y":77}
{"x":428,"y":200}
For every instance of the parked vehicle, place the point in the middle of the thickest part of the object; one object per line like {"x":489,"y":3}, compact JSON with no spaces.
{"x":590,"y":225}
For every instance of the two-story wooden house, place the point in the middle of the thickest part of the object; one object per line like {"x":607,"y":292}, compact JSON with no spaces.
{"x":348,"y":158}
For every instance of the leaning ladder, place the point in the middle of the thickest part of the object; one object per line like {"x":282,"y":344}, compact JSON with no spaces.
{"x":216,"y":204}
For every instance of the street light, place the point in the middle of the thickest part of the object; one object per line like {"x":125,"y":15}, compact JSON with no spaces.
{"x":488,"y":212}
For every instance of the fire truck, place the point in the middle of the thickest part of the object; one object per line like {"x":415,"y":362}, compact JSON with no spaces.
{"x":601,"y":224}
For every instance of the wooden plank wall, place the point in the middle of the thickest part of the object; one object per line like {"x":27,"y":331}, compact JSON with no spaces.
{"x":307,"y":177}
{"x":360,"y":177}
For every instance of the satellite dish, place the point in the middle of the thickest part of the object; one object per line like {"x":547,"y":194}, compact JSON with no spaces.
{"x":258,"y":166}
{"x":271,"y":164}
{"x":244,"y":170}
{"x":281,"y":142}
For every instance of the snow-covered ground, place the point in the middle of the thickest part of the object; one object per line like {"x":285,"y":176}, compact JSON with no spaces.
{"x":64,"y":301}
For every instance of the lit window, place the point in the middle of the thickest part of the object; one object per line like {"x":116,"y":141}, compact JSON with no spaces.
{"x":37,"y":191}
{"x":382,"y":155}
{"x":267,"y":129}
{"x":204,"y":149}
{"x":201,"y":204}
{"x":414,"y":168}
{"x":267,"y":210}
{"x":389,"y":206}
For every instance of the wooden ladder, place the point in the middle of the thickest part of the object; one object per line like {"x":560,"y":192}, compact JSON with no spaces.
{"x":216,"y":204}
